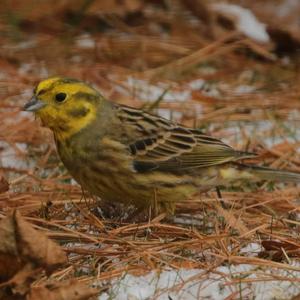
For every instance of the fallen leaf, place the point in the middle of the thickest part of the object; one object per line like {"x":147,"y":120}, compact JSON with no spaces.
{"x":72,"y":290}
{"x":277,"y":245}
{"x":20,"y":283}
{"x":277,"y":250}
{"x":36,"y":247}
{"x":10,"y":263}
{"x":21,"y":245}
{"x":4,"y":186}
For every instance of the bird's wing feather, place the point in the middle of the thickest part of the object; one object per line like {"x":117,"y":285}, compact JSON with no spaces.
{"x":162,"y":145}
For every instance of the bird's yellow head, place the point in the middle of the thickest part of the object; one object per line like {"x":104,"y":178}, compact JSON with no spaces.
{"x":64,"y":105}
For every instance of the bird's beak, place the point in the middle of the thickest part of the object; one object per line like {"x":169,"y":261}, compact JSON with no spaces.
{"x":34,"y":104}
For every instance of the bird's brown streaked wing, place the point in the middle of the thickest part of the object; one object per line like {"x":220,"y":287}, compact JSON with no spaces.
{"x":162,"y":145}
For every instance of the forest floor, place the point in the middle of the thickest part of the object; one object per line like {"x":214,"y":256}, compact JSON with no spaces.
{"x":241,"y":87}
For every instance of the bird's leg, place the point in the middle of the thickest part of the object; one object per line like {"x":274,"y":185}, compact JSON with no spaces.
{"x":224,"y":206}
{"x":220,"y":197}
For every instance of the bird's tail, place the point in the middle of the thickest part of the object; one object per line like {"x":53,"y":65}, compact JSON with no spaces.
{"x":256,"y":173}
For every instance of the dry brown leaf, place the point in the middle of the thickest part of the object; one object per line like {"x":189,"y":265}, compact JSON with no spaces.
{"x":278,"y":250}
{"x":9,"y":266}
{"x":297,"y":297}
{"x":72,"y":290}
{"x":277,"y":245}
{"x":20,"y":283}
{"x":10,"y":263}
{"x":4,"y":185}
{"x":36,"y":246}
{"x":21,"y":244}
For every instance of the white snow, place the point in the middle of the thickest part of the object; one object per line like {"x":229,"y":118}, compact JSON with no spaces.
{"x":287,"y":7}
{"x":245,"y":21}
{"x":85,"y":41}
{"x":169,"y":92}
{"x":236,"y":131}
{"x":145,"y":91}
{"x":196,"y":84}
{"x":189,"y":284}
{"x":244,"y":89}
{"x":10,"y":158}
{"x":252,"y":249}
{"x":39,"y":70}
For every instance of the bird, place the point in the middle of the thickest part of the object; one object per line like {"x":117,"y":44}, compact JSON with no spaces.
{"x":126,"y":155}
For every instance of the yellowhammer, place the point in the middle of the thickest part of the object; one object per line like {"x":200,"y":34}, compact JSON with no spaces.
{"x":127,"y":155}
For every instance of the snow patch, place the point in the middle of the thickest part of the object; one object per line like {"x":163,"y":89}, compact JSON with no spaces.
{"x":287,"y":7}
{"x":244,"y":89}
{"x":189,"y":284}
{"x":197,"y":84}
{"x":245,"y":21}
{"x":85,"y":41}
{"x":10,"y":157}
{"x":145,"y":91}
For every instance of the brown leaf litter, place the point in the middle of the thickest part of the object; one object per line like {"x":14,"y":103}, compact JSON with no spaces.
{"x":24,"y":254}
{"x":110,"y":44}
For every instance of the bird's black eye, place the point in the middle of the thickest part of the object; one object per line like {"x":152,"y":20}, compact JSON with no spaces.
{"x":60,"y":97}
